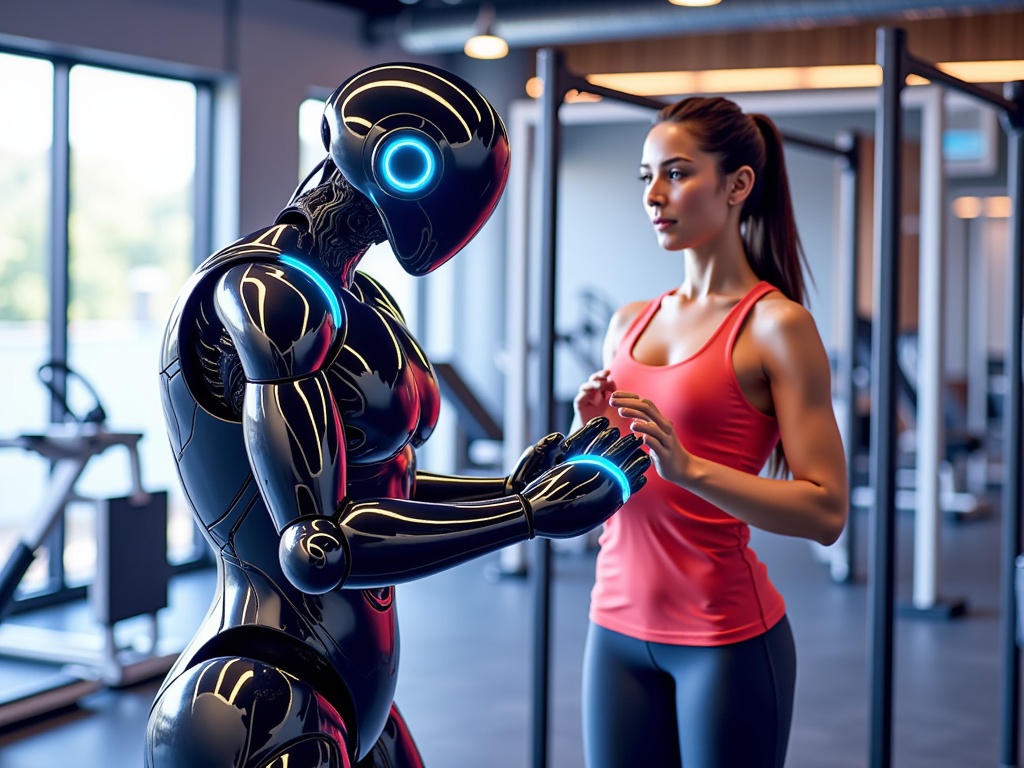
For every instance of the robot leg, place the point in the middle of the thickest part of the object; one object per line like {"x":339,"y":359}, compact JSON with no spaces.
{"x":228,"y":712}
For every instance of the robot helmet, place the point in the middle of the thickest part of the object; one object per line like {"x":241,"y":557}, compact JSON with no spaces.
{"x":427,"y":149}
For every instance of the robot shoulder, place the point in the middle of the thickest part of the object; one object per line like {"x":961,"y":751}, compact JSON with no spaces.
{"x":285,"y":319}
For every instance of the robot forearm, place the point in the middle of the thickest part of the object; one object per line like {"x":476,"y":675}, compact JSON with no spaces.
{"x":391,"y":541}
{"x":451,"y":488}
{"x":296,"y":447}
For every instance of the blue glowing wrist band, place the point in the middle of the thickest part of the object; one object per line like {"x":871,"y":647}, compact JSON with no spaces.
{"x":605,"y":464}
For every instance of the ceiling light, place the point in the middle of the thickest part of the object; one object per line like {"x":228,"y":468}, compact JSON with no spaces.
{"x":741,"y":80}
{"x":967,"y":207}
{"x":998,"y":207}
{"x":994,"y":207}
{"x":486,"y":47}
{"x":695,"y":3}
{"x":485,"y":44}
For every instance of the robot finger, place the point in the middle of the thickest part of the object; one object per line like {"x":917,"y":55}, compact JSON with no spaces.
{"x":637,"y":483}
{"x":605,"y":440}
{"x":578,"y":441}
{"x":635,"y":470}
{"x":624,"y":448}
{"x":550,"y":445}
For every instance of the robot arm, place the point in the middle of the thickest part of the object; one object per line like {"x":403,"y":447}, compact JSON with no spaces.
{"x":287,"y":325}
{"x":383,"y":541}
{"x":534,"y":461}
{"x":394,"y":540}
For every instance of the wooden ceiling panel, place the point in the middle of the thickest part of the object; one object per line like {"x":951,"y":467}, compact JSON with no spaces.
{"x":966,"y":38}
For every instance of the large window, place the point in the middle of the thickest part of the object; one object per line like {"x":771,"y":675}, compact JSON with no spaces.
{"x":129,"y":251}
{"x":26,"y":88}
{"x":98,"y":192}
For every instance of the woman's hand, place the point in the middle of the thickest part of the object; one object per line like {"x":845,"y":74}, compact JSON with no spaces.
{"x":592,"y":398}
{"x":671,"y":460}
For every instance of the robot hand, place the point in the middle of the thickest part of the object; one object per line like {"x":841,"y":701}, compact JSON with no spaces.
{"x":598,"y":472}
{"x":313,"y":555}
{"x":535,"y":460}
{"x":549,"y":451}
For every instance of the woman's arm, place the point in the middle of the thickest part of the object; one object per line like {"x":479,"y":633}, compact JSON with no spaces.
{"x":814,"y":503}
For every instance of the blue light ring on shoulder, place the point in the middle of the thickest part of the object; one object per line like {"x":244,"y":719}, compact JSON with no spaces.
{"x":605,"y":465}
{"x":407,"y":163}
{"x":336,"y":309}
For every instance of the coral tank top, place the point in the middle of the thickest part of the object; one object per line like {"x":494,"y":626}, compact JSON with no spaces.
{"x":672,"y":567}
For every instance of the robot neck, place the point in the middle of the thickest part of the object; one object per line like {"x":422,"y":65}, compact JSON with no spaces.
{"x":340,"y":223}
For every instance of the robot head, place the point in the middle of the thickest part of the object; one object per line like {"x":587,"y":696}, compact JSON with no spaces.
{"x":427,"y":149}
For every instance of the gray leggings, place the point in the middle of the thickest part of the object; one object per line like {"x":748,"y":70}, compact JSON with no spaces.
{"x":662,"y":705}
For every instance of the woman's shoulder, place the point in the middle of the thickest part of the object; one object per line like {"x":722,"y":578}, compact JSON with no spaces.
{"x":625,"y":316}
{"x":777,"y":312}
{"x":627,"y":313}
{"x":779,"y":323}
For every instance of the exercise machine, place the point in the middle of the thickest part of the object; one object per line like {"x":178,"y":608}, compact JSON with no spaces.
{"x":961,"y":446}
{"x":131,"y":572}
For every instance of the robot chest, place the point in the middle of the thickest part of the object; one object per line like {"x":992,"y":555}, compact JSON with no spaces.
{"x":386,"y":394}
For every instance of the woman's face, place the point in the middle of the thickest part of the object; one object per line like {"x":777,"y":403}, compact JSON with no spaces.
{"x":684,"y":195}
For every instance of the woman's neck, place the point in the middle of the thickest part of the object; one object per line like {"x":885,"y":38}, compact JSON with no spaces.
{"x":718,"y":268}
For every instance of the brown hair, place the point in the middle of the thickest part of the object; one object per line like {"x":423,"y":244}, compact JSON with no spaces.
{"x":767,"y":223}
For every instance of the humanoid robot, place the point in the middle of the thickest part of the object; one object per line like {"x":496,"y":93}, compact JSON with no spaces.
{"x":295,"y":399}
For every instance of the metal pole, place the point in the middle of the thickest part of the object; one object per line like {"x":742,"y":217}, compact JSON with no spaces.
{"x":894,"y":59}
{"x":888,"y":133}
{"x":929,"y":422}
{"x":512,"y":560}
{"x":1013,"y":443}
{"x":202,"y":203}
{"x":570,"y":80}
{"x":850,"y":145}
{"x":549,"y":65}
{"x":60,"y":204}
{"x":60,"y":250}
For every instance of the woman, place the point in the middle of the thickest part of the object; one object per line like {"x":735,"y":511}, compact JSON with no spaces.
{"x":689,"y":657}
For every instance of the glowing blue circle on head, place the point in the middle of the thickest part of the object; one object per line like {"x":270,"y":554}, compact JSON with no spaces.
{"x":605,"y":464}
{"x":397,"y":158}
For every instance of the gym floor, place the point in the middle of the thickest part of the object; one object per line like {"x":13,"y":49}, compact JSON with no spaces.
{"x":465,"y":684}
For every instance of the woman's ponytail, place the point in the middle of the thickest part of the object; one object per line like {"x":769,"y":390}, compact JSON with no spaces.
{"x":769,"y":224}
